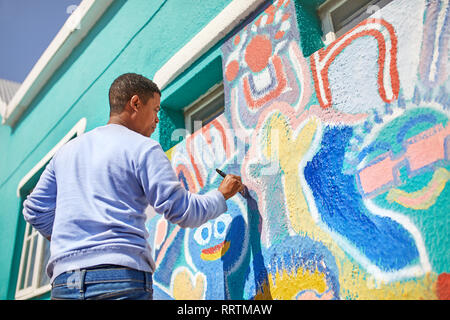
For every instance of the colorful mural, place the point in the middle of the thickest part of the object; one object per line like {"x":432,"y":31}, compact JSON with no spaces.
{"x":346,"y":158}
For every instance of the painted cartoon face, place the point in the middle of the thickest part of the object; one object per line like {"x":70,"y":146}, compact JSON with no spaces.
{"x":217,"y":230}
{"x":220,"y":242}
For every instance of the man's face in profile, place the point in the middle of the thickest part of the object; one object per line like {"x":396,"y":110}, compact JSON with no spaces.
{"x":148,"y":115}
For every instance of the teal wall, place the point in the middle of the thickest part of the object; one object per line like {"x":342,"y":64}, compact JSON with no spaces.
{"x":132,"y":36}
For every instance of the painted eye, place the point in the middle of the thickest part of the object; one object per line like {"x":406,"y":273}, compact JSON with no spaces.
{"x":221,"y":225}
{"x":203,"y":234}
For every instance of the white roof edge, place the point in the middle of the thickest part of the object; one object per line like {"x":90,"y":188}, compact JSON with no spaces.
{"x":2,"y":108}
{"x":71,"y":34}
{"x":229,"y":18}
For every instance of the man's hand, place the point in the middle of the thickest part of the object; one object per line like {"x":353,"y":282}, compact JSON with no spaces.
{"x":231,"y":185}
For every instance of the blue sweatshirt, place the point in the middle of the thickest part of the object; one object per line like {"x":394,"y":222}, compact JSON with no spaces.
{"x":92,"y":196}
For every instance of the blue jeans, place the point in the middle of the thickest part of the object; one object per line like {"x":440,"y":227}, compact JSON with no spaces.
{"x":106,"y":282}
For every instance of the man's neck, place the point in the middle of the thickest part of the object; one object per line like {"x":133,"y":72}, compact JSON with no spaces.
{"x":123,"y":121}
{"x":117,"y":119}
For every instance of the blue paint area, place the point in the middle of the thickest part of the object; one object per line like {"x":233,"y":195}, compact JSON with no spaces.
{"x":229,"y":227}
{"x":171,"y":258}
{"x":383,"y":241}
{"x":159,"y":294}
{"x":260,"y":274}
{"x":414,"y":121}
{"x":183,"y":180}
{"x":308,"y":254}
{"x":380,"y":146}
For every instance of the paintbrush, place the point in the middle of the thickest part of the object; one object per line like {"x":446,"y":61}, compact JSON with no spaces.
{"x":223,"y":174}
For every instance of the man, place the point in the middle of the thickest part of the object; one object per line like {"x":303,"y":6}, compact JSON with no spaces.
{"x":91,"y":198}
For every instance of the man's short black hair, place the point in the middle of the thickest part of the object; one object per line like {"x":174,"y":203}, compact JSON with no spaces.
{"x":127,"y":85}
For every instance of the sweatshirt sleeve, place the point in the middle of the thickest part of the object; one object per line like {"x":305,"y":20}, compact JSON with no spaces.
{"x":167,"y":195}
{"x":39,"y":206}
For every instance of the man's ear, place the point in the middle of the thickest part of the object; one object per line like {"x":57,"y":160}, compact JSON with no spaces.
{"x":134,"y":103}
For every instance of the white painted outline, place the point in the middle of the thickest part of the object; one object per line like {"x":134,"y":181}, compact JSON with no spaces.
{"x":440,"y":25}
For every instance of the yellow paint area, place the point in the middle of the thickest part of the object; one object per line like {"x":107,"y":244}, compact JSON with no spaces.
{"x":187,"y":288}
{"x":423,"y":198}
{"x":170,"y":152}
{"x":356,"y":284}
{"x":289,"y":150}
{"x":287,"y":285}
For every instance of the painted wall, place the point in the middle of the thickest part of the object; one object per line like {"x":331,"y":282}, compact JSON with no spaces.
{"x":128,"y":38}
{"x":345,"y":153}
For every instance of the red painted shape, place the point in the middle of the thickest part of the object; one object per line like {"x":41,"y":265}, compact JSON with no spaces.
{"x":443,"y":286}
{"x":237,"y":39}
{"x":232,"y":70}
{"x":205,"y":132}
{"x":252,"y":103}
{"x":324,"y":95}
{"x":214,"y":249}
{"x":258,"y":52}
{"x":279,"y":35}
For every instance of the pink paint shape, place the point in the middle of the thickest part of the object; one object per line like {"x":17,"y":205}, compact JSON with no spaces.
{"x":427,"y":147}
{"x":161,"y":232}
{"x":422,"y":150}
{"x":271,"y":95}
{"x":378,"y":175}
{"x":416,"y":202}
{"x":166,"y":245}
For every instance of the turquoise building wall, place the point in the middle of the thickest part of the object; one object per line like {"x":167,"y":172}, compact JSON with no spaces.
{"x":128,"y":38}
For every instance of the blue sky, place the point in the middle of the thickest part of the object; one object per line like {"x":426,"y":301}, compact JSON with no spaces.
{"x":27,"y":27}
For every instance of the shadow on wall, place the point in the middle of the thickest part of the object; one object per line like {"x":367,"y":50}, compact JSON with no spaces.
{"x":235,"y":282}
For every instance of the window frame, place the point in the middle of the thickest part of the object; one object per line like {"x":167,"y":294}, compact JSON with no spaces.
{"x":204,"y":101}
{"x":324,"y":11}
{"x":35,"y":289}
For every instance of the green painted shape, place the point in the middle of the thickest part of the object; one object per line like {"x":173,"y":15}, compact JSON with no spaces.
{"x":435,"y":218}
{"x":172,"y":120}
{"x":309,"y":25}
{"x":388,"y":134}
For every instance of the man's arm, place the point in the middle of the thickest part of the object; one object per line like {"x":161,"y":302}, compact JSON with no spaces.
{"x":39,"y":206}
{"x":167,"y":196}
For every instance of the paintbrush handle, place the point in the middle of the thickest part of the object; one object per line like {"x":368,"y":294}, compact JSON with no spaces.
{"x":223,"y":174}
